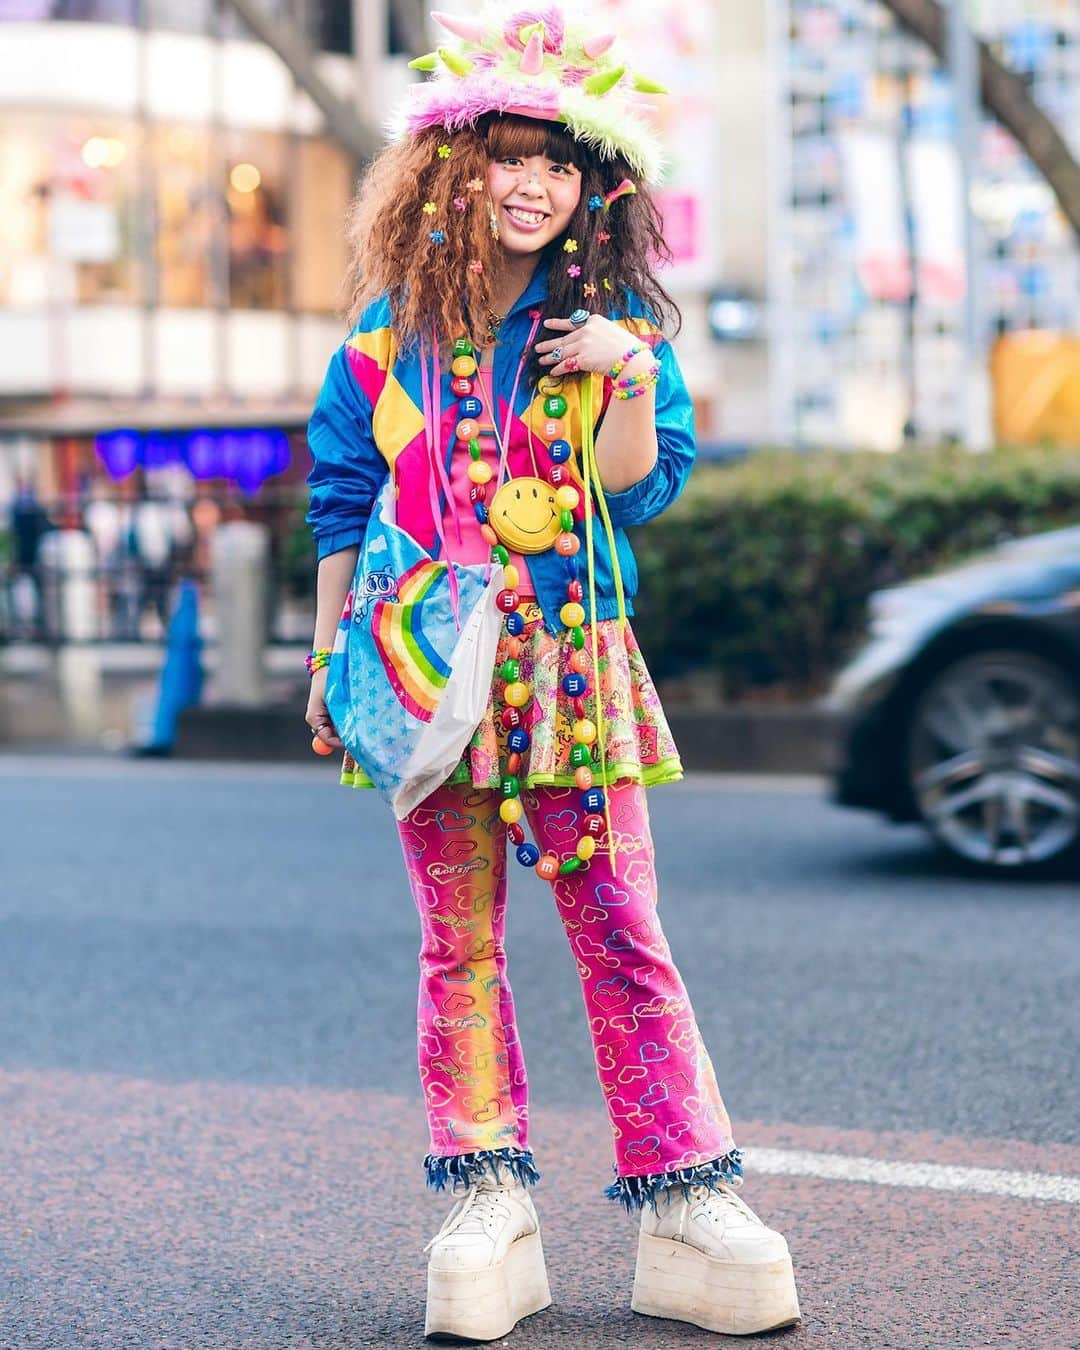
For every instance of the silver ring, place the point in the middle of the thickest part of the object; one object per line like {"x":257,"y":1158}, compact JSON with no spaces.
{"x":556,"y":354}
{"x":579,"y":318}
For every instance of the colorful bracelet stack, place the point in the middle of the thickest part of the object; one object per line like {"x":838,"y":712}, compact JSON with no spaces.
{"x":633,"y":385}
{"x":317,"y":659}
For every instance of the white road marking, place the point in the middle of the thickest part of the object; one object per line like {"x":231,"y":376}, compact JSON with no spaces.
{"x":930,"y":1176}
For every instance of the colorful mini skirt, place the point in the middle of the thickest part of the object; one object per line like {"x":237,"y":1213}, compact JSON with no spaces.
{"x":637,"y":742}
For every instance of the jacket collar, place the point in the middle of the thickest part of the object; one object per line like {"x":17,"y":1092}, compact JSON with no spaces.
{"x":535,"y":293}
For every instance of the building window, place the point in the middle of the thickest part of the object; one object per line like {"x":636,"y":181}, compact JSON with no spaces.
{"x":67,"y":210}
{"x":186,"y":213}
{"x":322,"y":183}
{"x":257,"y":229}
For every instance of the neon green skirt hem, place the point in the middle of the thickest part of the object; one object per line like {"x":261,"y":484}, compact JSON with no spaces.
{"x":668,"y":770}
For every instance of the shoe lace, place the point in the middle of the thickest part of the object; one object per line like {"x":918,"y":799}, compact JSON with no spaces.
{"x":716,"y":1201}
{"x":473,"y":1212}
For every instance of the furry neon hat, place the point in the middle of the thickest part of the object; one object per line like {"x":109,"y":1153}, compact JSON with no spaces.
{"x":532,"y":61}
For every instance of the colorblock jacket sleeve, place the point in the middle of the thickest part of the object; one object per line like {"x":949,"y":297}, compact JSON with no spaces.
{"x":676,"y":445}
{"x":348,"y":470}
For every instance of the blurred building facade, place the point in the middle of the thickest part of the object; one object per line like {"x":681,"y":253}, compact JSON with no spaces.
{"x":867,"y":273}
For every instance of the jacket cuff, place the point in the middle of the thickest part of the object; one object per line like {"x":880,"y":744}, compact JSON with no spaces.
{"x":338,"y":540}
{"x":630,"y":507}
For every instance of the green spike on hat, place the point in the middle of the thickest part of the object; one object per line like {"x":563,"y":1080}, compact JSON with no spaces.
{"x":533,"y":60}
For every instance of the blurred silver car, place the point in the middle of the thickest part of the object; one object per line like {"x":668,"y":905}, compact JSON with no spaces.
{"x":962,"y":708}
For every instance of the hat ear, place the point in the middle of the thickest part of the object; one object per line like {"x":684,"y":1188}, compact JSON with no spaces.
{"x":472,"y":30}
{"x":597,"y":46}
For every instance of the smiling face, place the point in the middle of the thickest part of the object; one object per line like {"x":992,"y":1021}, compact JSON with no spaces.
{"x":534,"y":197}
{"x":524,"y":515}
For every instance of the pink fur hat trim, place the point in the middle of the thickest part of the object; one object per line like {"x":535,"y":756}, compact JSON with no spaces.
{"x":464,"y":102}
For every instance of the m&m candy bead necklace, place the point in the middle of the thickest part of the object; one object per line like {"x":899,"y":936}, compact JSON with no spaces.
{"x":532,"y":515}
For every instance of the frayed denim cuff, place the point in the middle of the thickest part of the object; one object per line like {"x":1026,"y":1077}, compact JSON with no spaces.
{"x":637,"y":1192}
{"x":460,"y":1172}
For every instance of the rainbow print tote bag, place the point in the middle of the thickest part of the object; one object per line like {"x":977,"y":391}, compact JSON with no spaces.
{"x":413,"y":660}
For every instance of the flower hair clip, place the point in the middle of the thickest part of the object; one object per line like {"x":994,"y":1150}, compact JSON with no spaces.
{"x":437,"y":236}
{"x":573,"y":270}
{"x":596,"y":202}
{"x":460,"y":203}
{"x":570,"y":246}
{"x":429,"y":208}
{"x":475,"y":266}
{"x":445,"y":151}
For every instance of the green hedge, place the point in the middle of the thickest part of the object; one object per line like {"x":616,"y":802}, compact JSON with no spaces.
{"x":758,"y":577}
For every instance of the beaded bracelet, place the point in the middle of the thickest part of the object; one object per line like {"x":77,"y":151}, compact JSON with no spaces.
{"x":616,"y":369}
{"x":317,"y":659}
{"x":634,"y":385}
{"x":648,"y":377}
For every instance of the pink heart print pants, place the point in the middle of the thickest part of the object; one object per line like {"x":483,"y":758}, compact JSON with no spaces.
{"x":667,"y":1117}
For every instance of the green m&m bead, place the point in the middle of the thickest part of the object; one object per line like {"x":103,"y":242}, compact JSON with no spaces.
{"x":509,"y":785}
{"x":580,"y":756}
{"x":474,"y":448}
{"x":570,"y":865}
{"x":500,"y":555}
{"x":566,"y":520}
{"x":554,"y":405}
{"x":577,"y":637}
{"x":511,"y":669}
{"x":463,"y":347}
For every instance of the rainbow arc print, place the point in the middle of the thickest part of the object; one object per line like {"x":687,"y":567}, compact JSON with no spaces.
{"x":416,"y":671}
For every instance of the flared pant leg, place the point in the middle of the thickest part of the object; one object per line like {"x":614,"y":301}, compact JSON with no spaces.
{"x":667,"y":1116}
{"x":472,"y":1071}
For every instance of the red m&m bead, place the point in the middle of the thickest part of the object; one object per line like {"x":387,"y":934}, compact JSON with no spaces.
{"x":507,"y":601}
{"x":478,"y":493}
{"x":461,"y":386}
{"x":594,"y":826}
{"x":574,"y":589}
{"x":511,"y":718}
{"x":558,"y":475}
{"x":515,"y":833}
{"x":579,"y":707}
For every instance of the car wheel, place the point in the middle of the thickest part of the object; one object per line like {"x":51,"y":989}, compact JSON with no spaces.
{"x":994,"y":759}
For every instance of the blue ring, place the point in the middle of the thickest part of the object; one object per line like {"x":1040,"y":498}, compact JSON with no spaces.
{"x":579,"y":318}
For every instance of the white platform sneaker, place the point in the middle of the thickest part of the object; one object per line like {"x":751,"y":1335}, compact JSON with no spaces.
{"x":708,"y":1259}
{"x":486,"y":1269}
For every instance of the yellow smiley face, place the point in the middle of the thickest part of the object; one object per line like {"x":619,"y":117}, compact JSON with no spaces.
{"x":524,"y":515}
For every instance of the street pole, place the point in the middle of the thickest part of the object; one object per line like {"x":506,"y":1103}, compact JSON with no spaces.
{"x":371,"y":33}
{"x":963,"y":51}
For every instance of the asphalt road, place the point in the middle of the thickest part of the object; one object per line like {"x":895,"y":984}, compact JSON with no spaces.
{"x":210,"y":1124}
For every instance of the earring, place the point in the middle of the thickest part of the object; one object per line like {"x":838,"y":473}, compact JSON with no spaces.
{"x":493,"y":219}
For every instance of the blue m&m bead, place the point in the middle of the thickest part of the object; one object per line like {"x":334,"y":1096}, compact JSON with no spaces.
{"x":560,"y":451}
{"x":528,"y":855}
{"x":470,"y":407}
{"x":592,"y":801}
{"x":518,"y":741}
{"x":481,"y":512}
{"x":574,"y":685}
{"x":515,"y":624}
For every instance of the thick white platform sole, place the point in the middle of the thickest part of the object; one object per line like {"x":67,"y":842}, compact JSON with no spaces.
{"x":483,"y":1305}
{"x":675,"y":1280}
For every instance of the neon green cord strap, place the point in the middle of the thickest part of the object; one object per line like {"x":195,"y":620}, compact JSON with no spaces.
{"x":591,"y":477}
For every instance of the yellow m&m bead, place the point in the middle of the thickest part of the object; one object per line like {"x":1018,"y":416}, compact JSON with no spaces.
{"x":463,"y":366}
{"x":584,"y":731}
{"x":572,"y":614}
{"x":511,"y":577}
{"x":516,"y":694}
{"x":510,"y":810}
{"x":567,"y":498}
{"x":479,"y":472}
{"x":586,"y":847}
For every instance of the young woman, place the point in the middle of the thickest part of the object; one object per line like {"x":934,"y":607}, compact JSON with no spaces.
{"x":507,"y":368}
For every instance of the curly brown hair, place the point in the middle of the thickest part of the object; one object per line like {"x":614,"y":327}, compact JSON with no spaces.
{"x":448,"y":285}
